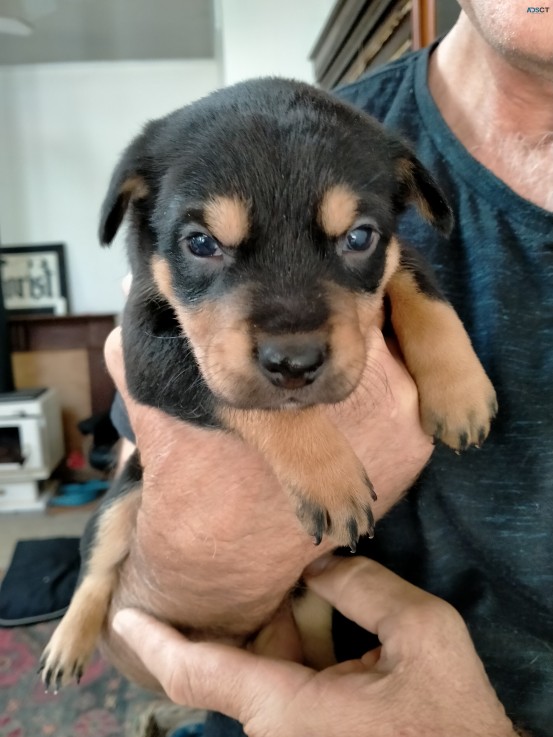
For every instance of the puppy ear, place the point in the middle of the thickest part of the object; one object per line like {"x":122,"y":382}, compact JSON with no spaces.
{"x":127,"y":183}
{"x":417,"y":186}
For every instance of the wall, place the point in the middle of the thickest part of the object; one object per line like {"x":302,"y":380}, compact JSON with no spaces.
{"x":269,"y":37}
{"x":62,"y":128}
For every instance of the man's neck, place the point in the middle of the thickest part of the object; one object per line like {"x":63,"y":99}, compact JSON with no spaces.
{"x":502,"y":114}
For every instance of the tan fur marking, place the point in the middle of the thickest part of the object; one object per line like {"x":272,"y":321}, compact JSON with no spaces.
{"x":405,"y":170}
{"x":76,"y":636}
{"x":349,"y":335}
{"x":349,"y":323}
{"x":217,"y":332}
{"x":115,"y":528}
{"x":338,"y":210}
{"x":222,"y":345}
{"x":162,"y":277}
{"x":456,"y":397}
{"x":228,"y":220}
{"x":392,"y":262}
{"x":136,"y":187}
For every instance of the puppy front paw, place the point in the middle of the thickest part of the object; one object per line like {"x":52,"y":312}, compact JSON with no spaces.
{"x":457,"y":407}
{"x":74,"y":640}
{"x":316,"y":465}
{"x":335,"y":500}
{"x":65,"y":658}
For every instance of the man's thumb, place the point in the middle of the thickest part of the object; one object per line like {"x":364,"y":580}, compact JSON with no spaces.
{"x":208,"y":675}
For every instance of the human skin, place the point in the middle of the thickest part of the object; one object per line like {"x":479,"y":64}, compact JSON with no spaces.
{"x":426,"y":679}
{"x":217,"y":545}
{"x":492,"y":79}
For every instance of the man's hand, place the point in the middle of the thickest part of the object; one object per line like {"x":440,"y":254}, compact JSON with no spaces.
{"x":426,"y":679}
{"x":217,"y":544}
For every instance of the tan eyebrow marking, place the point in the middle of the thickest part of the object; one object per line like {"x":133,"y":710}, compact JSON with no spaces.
{"x":338,"y":210}
{"x":405,"y":169}
{"x":135,"y":186}
{"x":227,"y":220}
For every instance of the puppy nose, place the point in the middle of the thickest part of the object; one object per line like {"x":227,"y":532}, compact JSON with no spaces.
{"x":291,"y":361}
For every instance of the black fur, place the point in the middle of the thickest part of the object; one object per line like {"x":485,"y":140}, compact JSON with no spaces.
{"x":412,"y":261}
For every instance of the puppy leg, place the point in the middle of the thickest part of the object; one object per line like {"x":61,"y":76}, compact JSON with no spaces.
{"x":75,"y":638}
{"x":457,"y":400}
{"x":316,"y":465}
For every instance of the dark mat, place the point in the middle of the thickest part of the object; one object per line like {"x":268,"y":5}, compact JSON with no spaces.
{"x":40,"y":581}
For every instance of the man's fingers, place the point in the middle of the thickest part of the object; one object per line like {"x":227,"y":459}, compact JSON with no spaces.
{"x":280,"y":638}
{"x":206,"y":675}
{"x":113,"y":355}
{"x":367,"y":593}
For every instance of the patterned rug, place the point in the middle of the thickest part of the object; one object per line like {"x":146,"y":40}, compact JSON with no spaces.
{"x":104,"y":705}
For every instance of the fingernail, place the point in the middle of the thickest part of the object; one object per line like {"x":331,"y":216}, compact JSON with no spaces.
{"x":322,"y":564}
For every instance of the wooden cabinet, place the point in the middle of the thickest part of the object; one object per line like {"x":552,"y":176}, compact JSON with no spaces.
{"x":364,"y":34}
{"x":65,"y":353}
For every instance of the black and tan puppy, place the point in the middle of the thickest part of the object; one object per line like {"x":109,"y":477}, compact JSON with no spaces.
{"x":262,"y":240}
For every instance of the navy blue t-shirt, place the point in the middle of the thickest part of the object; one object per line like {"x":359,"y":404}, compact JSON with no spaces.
{"x":477,"y":529}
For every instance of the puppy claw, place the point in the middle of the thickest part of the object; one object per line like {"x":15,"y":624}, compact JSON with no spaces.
{"x":345,"y":523}
{"x":481,"y":437}
{"x":370,"y":487}
{"x":63,"y":661}
{"x":371,"y":523}
{"x":56,"y":676}
{"x":353,"y":530}
{"x":315,"y":518}
{"x":332,"y":494}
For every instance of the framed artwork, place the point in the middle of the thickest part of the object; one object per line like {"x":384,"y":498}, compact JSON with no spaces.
{"x":34,"y":279}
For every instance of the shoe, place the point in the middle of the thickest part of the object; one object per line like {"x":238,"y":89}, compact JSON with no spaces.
{"x":74,"y":495}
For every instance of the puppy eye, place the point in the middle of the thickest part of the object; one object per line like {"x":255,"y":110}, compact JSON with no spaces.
{"x":203,"y":245}
{"x":362,"y":239}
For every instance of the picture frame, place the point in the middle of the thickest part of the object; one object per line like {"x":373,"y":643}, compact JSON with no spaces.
{"x":34,"y":279}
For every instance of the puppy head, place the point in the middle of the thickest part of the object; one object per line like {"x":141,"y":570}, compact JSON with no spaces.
{"x":264,"y":216}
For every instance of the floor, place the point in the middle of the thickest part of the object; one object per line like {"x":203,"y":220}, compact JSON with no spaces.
{"x":16,"y":526}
